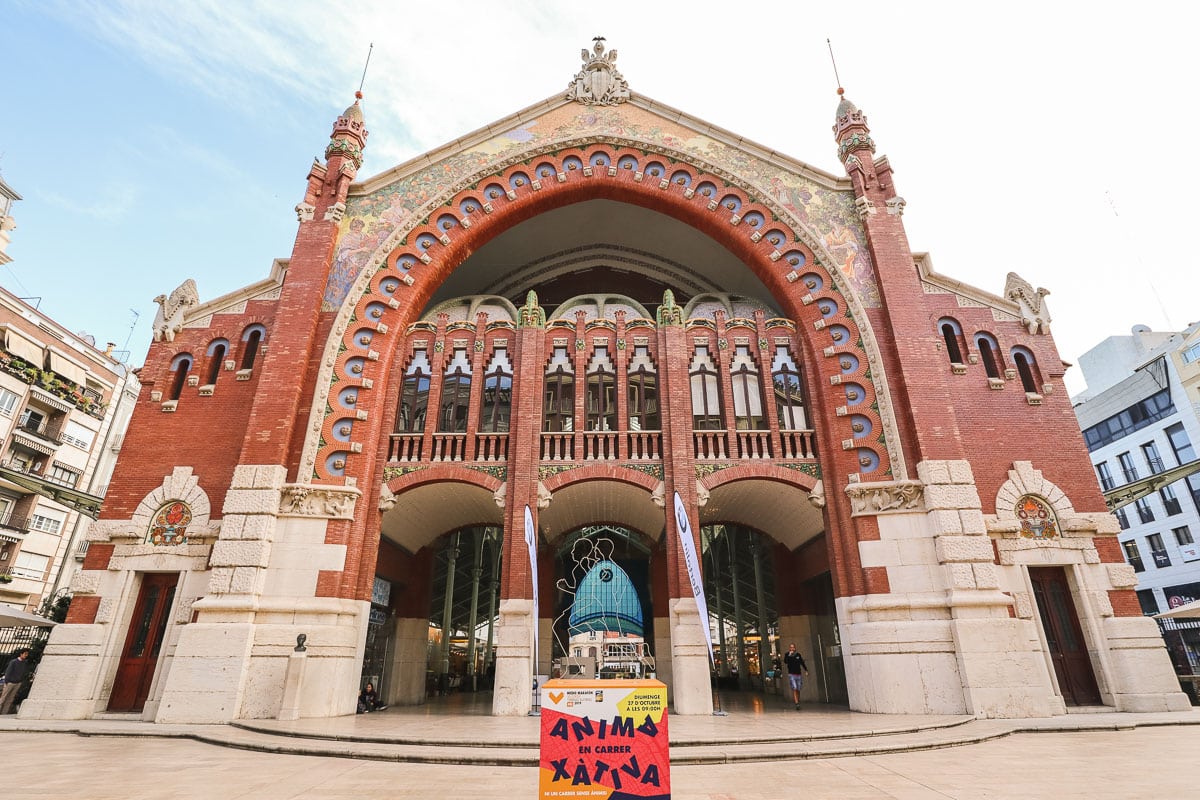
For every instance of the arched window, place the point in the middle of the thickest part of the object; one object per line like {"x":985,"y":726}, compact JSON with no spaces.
{"x":181,"y":365}
{"x":558,"y":402}
{"x":252,"y":339}
{"x":642,"y":391}
{"x":989,"y":354}
{"x":456,"y":393}
{"x":747,"y":391}
{"x":601,"y":392}
{"x":789,"y":400}
{"x":497,"y":393}
{"x":952,"y":335}
{"x":216,"y":356}
{"x":1027,"y":368}
{"x":706,"y":395}
{"x":414,"y":397}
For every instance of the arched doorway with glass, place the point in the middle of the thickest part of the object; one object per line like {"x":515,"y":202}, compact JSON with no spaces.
{"x":604,"y":611}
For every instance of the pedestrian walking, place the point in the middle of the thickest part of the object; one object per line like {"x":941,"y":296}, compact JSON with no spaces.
{"x":14,"y":675}
{"x":797,"y":669}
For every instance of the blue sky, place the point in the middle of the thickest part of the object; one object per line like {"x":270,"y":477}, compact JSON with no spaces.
{"x":157,"y":141}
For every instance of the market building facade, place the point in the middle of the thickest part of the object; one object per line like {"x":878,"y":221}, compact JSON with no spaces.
{"x":562,"y":327}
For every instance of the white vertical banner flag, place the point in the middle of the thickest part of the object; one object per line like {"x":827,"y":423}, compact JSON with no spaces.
{"x":531,"y":541}
{"x":692,"y":563}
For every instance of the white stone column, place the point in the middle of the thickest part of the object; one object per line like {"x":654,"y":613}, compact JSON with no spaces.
{"x":513,"y":694}
{"x":690,"y":674}
{"x":406,"y":684}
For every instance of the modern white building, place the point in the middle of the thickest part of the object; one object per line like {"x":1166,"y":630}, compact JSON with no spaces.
{"x":1140,"y":416}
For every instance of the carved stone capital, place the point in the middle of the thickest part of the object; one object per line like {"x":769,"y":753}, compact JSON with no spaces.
{"x":328,"y":502}
{"x":864,"y":207}
{"x":543,"y":496}
{"x":895,"y":206}
{"x":304,"y":212}
{"x":501,"y":495}
{"x":871,"y":499}
{"x":335,"y":212}
{"x":659,"y":495}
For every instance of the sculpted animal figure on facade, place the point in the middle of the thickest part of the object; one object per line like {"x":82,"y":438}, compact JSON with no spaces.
{"x":168,"y":321}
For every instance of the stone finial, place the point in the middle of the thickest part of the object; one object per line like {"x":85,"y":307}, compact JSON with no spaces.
{"x":668,"y":312}
{"x":171,"y":308}
{"x":531,"y":315}
{"x":599,"y":82}
{"x":1034,"y":314}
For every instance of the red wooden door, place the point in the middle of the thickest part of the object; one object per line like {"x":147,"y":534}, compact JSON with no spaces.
{"x":143,"y":642}
{"x":1068,"y":650}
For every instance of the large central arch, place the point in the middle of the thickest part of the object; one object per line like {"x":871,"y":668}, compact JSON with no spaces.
{"x":788,"y":258}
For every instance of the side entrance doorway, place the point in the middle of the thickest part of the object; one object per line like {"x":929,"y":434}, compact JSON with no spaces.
{"x":144,"y":642}
{"x":1068,"y":649}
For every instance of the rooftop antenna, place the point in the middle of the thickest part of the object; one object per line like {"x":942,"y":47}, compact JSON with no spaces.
{"x":132,"y":325}
{"x":833,"y":61}
{"x":364,"y":75}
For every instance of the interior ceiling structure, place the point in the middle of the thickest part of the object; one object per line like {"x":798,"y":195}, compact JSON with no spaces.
{"x":783,"y":513}
{"x":600,"y":501}
{"x":422,"y":514}
{"x":638,"y":248}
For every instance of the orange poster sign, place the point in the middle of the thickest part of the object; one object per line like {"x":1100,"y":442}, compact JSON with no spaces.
{"x":604,"y":739}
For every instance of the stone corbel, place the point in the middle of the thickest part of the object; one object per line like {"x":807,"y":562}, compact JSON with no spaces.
{"x":895,"y":206}
{"x":328,"y":502}
{"x":543,"y":496}
{"x":817,"y":495}
{"x":304,"y":212}
{"x":871,"y":499}
{"x":501,"y":495}
{"x":864,"y":207}
{"x":335,"y":212}
{"x":387,"y":500}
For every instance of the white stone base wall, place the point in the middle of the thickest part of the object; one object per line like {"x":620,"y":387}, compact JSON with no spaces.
{"x":1140,"y":677}
{"x":410,"y":655}
{"x":662,"y":653}
{"x":68,"y":676}
{"x":690,"y":674}
{"x":513,"y":693}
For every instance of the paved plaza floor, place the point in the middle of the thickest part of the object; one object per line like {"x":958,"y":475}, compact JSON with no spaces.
{"x":1159,"y":762}
{"x":764,"y":749}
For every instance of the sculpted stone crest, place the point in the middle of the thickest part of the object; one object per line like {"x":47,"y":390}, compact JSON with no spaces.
{"x":1034,"y":315}
{"x":599,"y":83}
{"x":169,"y":319}
{"x":869,"y":499}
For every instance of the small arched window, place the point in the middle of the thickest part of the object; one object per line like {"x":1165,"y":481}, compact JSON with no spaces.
{"x":497,"y":393}
{"x":747,"y":391}
{"x":181,"y":365}
{"x":252,"y":339}
{"x":601,"y":391}
{"x":456,"y":393}
{"x":642,"y":391}
{"x":217,"y":350}
{"x":1027,"y":369}
{"x":706,"y":397}
{"x":414,"y":398}
{"x":789,"y":399}
{"x":989,"y":354}
{"x":952,"y":336}
{"x":558,"y":401}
